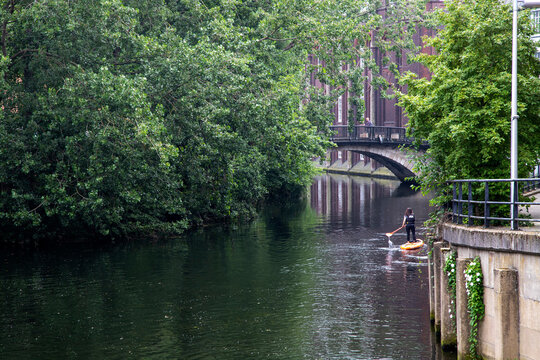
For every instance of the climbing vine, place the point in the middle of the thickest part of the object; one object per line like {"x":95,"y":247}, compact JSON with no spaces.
{"x":474,"y":282}
{"x":450,"y":270}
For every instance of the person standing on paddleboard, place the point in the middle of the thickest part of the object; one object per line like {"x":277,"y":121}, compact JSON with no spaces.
{"x":408,"y":222}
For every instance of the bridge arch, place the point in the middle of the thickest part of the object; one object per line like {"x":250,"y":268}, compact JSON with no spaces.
{"x":393,"y":158}
{"x":381,"y":143}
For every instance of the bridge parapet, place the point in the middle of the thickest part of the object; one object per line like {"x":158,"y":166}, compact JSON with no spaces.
{"x":362,"y":134}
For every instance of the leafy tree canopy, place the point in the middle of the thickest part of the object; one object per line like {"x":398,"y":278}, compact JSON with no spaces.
{"x":127,"y":116}
{"x":464,"y":109}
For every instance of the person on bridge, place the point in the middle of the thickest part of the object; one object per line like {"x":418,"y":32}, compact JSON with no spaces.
{"x":408,"y":222}
{"x":367,"y":125}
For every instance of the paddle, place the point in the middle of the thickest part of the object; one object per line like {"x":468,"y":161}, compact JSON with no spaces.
{"x":392,"y":233}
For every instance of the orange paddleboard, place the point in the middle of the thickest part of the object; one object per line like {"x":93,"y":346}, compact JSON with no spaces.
{"x":412,"y":245}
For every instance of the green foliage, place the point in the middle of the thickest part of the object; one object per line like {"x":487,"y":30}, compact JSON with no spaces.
{"x":463,"y":110}
{"x":474,"y":283}
{"x":91,"y":157}
{"x":127,"y":117}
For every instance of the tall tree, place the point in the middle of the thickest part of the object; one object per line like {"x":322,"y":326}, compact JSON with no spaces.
{"x":463,"y":111}
{"x":117,"y":118}
{"x":127,"y":116}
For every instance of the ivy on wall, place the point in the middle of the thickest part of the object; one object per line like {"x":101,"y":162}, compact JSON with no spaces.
{"x":450,"y":270}
{"x":474,"y":282}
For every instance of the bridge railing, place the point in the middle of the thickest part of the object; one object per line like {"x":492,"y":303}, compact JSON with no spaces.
{"x":466,"y":209}
{"x":369,"y":133}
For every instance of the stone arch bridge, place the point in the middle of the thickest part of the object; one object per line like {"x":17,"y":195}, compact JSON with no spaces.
{"x":381,"y":143}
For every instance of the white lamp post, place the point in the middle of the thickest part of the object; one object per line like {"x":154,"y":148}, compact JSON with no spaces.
{"x":514,"y":120}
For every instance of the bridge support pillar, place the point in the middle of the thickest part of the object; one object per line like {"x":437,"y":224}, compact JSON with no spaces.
{"x":462,"y":319}
{"x":448,"y":318}
{"x":507,"y":314}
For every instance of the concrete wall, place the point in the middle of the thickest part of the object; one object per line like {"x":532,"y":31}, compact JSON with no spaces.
{"x":360,"y":168}
{"x":511,"y":268}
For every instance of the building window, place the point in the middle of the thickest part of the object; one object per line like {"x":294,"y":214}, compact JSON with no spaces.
{"x":535,"y":17}
{"x":340,"y":110}
{"x":339,"y":155}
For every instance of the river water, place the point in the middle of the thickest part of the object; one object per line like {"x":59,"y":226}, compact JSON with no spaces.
{"x":313,"y":280}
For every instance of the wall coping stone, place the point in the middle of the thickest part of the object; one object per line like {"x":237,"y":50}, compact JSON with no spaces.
{"x":493,"y":239}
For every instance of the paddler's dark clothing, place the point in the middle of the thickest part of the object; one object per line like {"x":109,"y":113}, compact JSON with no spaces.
{"x":409,"y":227}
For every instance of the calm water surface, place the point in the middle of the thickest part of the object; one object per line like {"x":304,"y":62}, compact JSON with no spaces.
{"x":314,"y":280}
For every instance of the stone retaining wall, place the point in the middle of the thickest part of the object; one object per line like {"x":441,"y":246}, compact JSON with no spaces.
{"x":510,"y":263}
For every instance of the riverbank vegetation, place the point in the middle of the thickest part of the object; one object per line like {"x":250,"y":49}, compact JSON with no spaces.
{"x":134,"y":117}
{"x":123,"y":117}
{"x":463,"y":110}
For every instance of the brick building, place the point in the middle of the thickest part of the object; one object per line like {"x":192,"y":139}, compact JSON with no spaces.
{"x":380,"y":110}
{"x":534,"y":5}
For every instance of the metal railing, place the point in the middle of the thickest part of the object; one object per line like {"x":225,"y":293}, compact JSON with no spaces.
{"x":370,"y":133}
{"x":470,"y":209}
